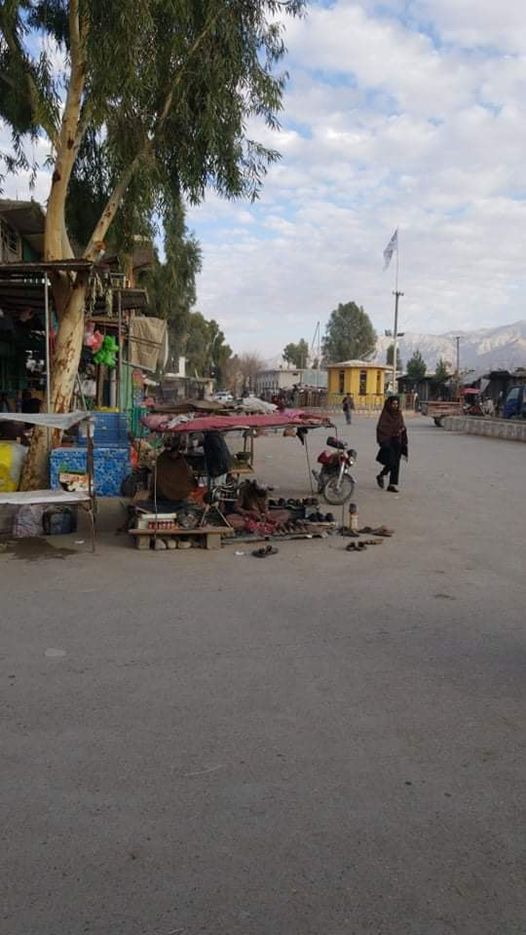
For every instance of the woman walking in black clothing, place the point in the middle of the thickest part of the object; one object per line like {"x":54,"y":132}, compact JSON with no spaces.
{"x":391,"y":435}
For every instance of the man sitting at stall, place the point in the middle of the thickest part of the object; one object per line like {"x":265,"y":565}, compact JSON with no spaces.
{"x":175,"y":478}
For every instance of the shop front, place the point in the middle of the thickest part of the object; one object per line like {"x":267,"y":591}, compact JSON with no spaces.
{"x":361,"y":379}
{"x":109,"y":385}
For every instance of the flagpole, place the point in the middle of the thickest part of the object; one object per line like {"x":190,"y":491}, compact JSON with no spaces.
{"x":397,"y":258}
{"x":397,"y":295}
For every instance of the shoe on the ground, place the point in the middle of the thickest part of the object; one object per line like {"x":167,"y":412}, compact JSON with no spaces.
{"x":392,"y":488}
{"x":380,"y":481}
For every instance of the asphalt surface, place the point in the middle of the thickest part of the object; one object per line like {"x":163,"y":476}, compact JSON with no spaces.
{"x":319,"y":743}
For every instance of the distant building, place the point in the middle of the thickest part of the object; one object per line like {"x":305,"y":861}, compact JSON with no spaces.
{"x":362,"y":379}
{"x":271,"y":382}
{"x":424,"y":389}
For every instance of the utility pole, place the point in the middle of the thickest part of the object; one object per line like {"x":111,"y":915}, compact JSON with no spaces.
{"x":458,"y":340}
{"x":316,"y":349}
{"x":396,"y":335}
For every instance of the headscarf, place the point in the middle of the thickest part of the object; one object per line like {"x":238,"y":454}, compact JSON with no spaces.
{"x":391,"y":422}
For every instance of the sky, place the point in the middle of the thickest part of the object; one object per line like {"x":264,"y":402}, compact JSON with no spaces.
{"x":397,"y":114}
{"x":405,"y":114}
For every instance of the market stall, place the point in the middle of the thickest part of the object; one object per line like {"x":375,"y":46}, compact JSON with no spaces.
{"x":199,"y":488}
{"x":76,"y":491}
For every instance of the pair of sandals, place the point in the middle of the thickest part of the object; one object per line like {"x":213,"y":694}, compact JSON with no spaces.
{"x":383,"y":531}
{"x":362,"y":545}
{"x":265,"y":551}
{"x":356,"y":547}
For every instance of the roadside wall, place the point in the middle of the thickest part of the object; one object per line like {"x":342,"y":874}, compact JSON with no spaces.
{"x":509,"y":429}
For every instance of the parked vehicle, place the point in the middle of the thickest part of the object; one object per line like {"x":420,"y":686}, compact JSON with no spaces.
{"x":515,"y":403}
{"x":335,"y":481}
{"x":223,"y":396}
{"x":439,"y":410}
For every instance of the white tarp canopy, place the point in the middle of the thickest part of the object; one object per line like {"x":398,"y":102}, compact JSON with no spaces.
{"x":49,"y":420}
{"x":44,"y":497}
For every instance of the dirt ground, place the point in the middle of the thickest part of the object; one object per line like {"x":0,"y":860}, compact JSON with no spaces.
{"x":319,"y":743}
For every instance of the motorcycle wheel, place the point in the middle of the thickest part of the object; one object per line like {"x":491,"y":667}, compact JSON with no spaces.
{"x":336,"y":496}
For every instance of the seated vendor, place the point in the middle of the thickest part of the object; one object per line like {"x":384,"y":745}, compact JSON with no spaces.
{"x":175,"y":478}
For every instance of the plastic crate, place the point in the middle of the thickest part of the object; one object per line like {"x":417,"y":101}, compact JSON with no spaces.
{"x":111,"y":430}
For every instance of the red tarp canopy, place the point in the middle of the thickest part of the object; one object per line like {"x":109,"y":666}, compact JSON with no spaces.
{"x":290,"y":417}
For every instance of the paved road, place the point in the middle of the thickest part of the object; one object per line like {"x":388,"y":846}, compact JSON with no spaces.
{"x":317,"y":744}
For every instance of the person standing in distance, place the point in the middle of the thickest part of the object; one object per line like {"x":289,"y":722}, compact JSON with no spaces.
{"x":348,"y":406}
{"x":391,"y":435}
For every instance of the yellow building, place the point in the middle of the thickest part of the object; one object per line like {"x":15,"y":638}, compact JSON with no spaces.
{"x":361,"y":379}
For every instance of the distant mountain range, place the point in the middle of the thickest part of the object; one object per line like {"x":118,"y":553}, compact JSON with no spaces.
{"x":501,"y":348}
{"x":498,"y":348}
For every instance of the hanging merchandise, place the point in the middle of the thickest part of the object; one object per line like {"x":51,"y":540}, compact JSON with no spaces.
{"x":107,"y":353}
{"x":93,"y":339}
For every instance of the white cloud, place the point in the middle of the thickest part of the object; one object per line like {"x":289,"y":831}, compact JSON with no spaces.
{"x":477,"y":23}
{"x":400,"y":117}
{"x":408,"y":113}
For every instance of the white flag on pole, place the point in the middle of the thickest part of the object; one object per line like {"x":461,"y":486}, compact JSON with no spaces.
{"x":390,"y":249}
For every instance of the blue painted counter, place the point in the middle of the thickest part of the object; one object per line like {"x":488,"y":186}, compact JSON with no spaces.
{"x":112,"y":465}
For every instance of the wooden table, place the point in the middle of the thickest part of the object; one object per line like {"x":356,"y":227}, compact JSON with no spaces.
{"x":212,"y":534}
{"x":53,"y":498}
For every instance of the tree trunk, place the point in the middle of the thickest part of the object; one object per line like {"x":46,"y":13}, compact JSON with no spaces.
{"x":65,"y":368}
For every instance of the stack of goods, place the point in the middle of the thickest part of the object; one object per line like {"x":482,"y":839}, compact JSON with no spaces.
{"x":254,"y":514}
{"x":111,"y":455}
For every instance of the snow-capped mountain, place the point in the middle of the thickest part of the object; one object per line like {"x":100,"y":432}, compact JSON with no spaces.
{"x":503,"y":347}
{"x":498,"y":348}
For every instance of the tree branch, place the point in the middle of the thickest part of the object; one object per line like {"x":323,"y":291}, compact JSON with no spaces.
{"x":75,"y":45}
{"x":112,"y":206}
{"x":178,"y":78}
{"x":113,"y":203}
{"x":72,"y":129}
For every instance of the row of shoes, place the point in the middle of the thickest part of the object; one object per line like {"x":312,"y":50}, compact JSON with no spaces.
{"x":294,"y":526}
{"x":294,"y":504}
{"x":318,"y":517}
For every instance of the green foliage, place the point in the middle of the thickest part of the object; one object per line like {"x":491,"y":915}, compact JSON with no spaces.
{"x":441,"y":374}
{"x":169,"y":88}
{"x":220,"y":353}
{"x":89,"y":190}
{"x":297,"y":354}
{"x":416,"y":366}
{"x":206,"y":353}
{"x":390,"y":355}
{"x":29,"y":94}
{"x":171,"y":284}
{"x":349,"y":334}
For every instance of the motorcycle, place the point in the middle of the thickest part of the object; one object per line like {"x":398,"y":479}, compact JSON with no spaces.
{"x":335,"y":481}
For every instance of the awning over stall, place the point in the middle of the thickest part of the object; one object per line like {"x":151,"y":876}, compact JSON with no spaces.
{"x":290,"y":417}
{"x":49,"y":420}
